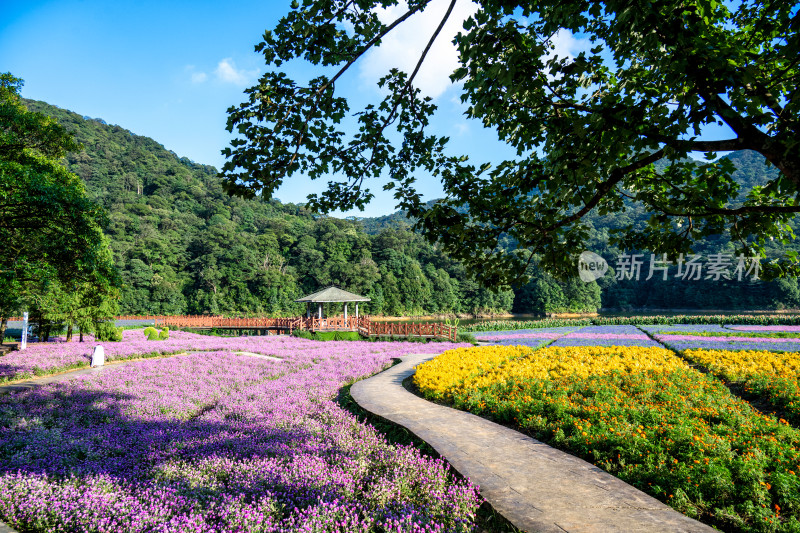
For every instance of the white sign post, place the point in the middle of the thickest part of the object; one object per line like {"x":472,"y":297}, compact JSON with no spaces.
{"x":98,"y":357}
{"x":24,"y":343}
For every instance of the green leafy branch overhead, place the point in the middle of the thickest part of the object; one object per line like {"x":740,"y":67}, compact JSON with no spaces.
{"x":592,"y":133}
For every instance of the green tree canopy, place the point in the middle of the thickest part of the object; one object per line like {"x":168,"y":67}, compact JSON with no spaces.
{"x":587,"y":130}
{"x":49,"y":228}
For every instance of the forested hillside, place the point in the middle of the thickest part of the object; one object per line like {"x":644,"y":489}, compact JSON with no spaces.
{"x":704,"y":293}
{"x":184,"y":246}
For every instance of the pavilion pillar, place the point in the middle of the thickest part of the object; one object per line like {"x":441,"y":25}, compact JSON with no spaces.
{"x":345,"y":314}
{"x":356,"y":311}
{"x":320,"y":311}
{"x":308,"y":310}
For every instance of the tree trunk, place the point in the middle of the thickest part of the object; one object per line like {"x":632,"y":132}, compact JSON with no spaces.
{"x":80,"y":333}
{"x":3,"y":325}
{"x":69,"y":331}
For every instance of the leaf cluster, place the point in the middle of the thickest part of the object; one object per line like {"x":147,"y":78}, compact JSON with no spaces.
{"x":588,"y":130}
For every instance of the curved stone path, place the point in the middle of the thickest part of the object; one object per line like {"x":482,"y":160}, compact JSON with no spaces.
{"x":536,"y":487}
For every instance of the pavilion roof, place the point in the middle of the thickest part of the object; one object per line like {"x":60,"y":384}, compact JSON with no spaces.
{"x":333,"y":294}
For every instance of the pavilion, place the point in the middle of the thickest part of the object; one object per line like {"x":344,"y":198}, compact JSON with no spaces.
{"x":331,"y":295}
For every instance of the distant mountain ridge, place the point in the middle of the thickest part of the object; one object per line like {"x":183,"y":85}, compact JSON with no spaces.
{"x":184,"y":246}
{"x":752,"y":169}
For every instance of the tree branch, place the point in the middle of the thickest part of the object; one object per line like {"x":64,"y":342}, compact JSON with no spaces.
{"x":370,"y":44}
{"x":616,"y":176}
{"x":735,"y":212}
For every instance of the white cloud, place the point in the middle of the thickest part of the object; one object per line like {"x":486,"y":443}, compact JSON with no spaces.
{"x":195,"y":75}
{"x":565,"y":45}
{"x":403,"y":46}
{"x":227,"y":72}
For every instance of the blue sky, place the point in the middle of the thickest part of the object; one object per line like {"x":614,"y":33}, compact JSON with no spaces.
{"x":169,"y":70}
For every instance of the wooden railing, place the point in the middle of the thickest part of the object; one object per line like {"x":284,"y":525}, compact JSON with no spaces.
{"x":188,"y":321}
{"x":205,"y":321}
{"x":362,"y":324}
{"x":329,"y":322}
{"x":141,"y":317}
{"x":244,"y":323}
{"x":405,"y":329}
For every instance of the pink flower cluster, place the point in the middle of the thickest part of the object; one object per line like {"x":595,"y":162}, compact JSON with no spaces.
{"x":607,"y":336}
{"x":544,"y":335}
{"x":213,"y":442}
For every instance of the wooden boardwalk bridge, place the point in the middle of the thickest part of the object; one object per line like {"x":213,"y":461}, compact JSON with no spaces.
{"x":277,"y":326}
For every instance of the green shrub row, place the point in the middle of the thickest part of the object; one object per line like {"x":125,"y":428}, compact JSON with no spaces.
{"x":661,"y":320}
{"x":500,"y":325}
{"x":153,"y":334}
{"x":354,"y":336}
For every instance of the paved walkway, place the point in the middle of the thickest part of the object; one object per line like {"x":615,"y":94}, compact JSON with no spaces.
{"x":260,"y":356}
{"x":536,"y":487}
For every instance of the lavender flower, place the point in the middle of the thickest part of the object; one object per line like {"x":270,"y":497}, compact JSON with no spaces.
{"x":220,"y":442}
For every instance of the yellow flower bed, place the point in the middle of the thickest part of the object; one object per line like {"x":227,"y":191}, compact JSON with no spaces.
{"x":438,"y":375}
{"x":479,"y":367}
{"x":739,"y":365}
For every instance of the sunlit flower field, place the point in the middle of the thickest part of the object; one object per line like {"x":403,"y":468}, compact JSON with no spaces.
{"x":48,"y":358}
{"x":678,"y":424}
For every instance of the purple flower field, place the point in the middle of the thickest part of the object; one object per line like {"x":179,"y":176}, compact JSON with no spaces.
{"x":600,"y":340}
{"x":543,"y":333}
{"x":519,"y":336}
{"x":608,"y":330}
{"x":48,"y":358}
{"x":220,"y":442}
{"x":533,"y":338}
{"x":696,"y":328}
{"x":529,"y":342}
{"x":566,"y":336}
{"x":628,"y":335}
{"x":667,"y":338}
{"x":606,"y":336}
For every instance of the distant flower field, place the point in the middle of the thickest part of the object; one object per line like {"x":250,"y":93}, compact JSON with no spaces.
{"x":47,"y":358}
